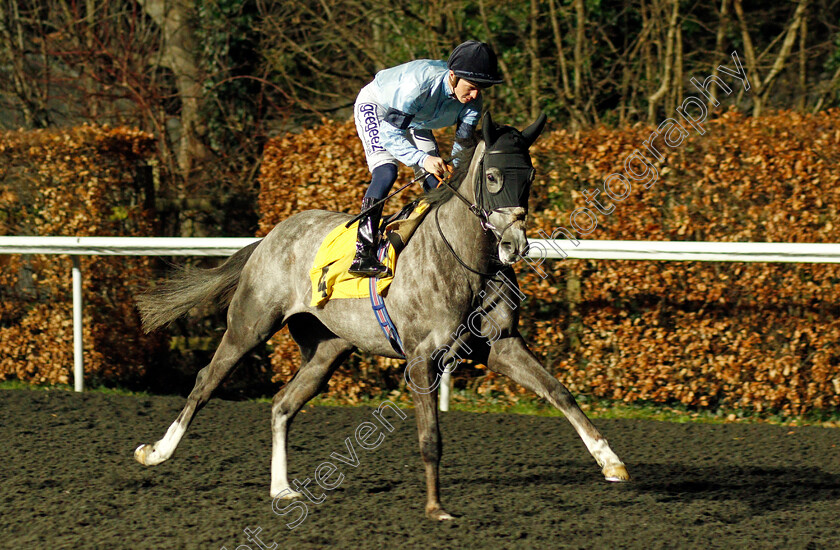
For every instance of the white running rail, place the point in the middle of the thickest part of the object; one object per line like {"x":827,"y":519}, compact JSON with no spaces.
{"x":113,"y":246}
{"x":689,"y":251}
{"x":124,"y":246}
{"x":541,"y":249}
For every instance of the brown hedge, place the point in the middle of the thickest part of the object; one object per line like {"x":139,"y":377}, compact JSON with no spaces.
{"x":72,"y":182}
{"x":732,"y":335}
{"x":759,"y":336}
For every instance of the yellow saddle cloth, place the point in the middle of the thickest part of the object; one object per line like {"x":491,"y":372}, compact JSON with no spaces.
{"x":329,"y":276}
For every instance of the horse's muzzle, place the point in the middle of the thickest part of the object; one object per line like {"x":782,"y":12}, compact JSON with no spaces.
{"x":512,"y":241}
{"x":512,"y":247}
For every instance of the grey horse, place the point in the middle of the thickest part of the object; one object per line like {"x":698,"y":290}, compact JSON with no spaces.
{"x":454,"y":296}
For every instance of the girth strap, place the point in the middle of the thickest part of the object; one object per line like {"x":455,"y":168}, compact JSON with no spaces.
{"x":378,"y":304}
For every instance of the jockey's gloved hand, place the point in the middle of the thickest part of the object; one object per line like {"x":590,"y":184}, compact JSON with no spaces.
{"x":435,"y":165}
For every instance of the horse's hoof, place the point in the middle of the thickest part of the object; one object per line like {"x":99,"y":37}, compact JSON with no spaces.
{"x":286,"y":494}
{"x":146,"y":455}
{"x":140,"y":454}
{"x":616,"y":473}
{"x":439,"y":515}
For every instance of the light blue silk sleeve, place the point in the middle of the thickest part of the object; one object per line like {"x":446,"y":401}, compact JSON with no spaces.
{"x":404,"y":88}
{"x":396,"y":142}
{"x":417,"y":95}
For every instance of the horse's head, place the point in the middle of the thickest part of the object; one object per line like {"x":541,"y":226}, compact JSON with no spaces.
{"x":503,"y":183}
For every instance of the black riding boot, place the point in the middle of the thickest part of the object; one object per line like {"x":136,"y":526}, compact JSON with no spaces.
{"x":367,"y":238}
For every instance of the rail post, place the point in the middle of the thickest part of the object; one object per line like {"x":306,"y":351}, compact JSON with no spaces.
{"x":445,"y":388}
{"x":78,"y":354}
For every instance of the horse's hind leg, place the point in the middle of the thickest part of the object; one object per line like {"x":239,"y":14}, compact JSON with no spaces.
{"x":511,"y":357}
{"x":321,"y":354}
{"x":249,"y":324}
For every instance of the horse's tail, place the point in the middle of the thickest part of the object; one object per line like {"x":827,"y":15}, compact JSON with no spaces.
{"x":189,"y":288}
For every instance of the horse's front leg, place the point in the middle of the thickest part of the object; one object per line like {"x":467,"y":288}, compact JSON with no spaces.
{"x":422,"y":378}
{"x":510,"y":356}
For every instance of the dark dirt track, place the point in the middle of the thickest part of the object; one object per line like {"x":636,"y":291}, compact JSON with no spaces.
{"x":69,"y":481}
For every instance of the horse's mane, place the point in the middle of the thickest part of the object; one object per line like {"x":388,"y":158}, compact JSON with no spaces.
{"x":443,"y":193}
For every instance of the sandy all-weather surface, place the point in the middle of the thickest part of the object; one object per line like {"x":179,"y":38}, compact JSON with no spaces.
{"x":69,"y":481}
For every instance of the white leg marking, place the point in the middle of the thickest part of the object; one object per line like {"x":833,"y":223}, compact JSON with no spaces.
{"x":156,"y":453}
{"x":279,"y":469}
{"x":611,"y":466}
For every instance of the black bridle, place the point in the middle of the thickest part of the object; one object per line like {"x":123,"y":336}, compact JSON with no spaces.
{"x":483,"y":207}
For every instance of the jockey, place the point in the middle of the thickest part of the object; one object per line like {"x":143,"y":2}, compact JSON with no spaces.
{"x":395,"y":115}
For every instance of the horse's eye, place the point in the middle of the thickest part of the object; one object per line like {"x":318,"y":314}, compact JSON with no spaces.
{"x":495,"y":180}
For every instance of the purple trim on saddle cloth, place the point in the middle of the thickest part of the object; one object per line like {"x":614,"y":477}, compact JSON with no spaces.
{"x":381,"y":312}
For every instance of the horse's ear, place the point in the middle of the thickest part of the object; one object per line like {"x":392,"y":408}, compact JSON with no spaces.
{"x":488,"y":128}
{"x":532,"y":132}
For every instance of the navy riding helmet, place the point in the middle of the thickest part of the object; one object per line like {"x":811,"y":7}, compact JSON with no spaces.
{"x":476,"y":62}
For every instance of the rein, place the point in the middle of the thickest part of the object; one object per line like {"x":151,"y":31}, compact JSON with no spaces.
{"x":460,"y":261}
{"x":479,"y":213}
